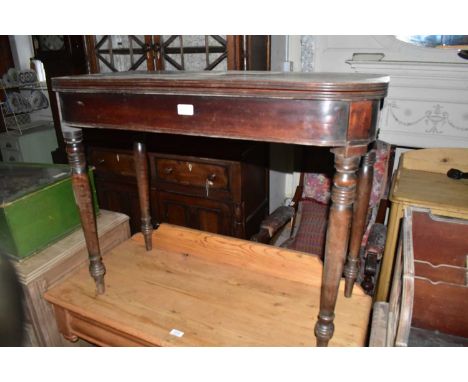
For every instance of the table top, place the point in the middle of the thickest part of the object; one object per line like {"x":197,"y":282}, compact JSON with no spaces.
{"x":323,"y":109}
{"x":241,"y":82}
{"x":200,"y":289}
{"x":432,"y":190}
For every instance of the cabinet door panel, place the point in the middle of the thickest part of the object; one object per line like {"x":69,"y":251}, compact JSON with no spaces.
{"x":209,"y":220}
{"x":175,"y":213}
{"x":203,"y":214}
{"x":120,"y":197}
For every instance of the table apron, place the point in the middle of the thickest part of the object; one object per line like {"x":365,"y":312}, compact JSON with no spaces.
{"x":296,"y":121}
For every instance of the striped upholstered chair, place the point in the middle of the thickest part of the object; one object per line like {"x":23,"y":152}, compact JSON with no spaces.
{"x":308,"y":214}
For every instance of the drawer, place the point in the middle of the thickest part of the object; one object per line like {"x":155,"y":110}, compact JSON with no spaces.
{"x":9,"y":143}
{"x":112,"y":161}
{"x":192,"y":173}
{"x":12,"y":156}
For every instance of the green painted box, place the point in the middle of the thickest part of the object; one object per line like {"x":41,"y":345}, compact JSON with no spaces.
{"x":37,"y":206}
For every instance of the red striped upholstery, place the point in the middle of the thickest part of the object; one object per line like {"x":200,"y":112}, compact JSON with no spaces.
{"x":310,"y":236}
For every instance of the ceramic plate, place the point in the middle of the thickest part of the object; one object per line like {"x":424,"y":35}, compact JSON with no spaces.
{"x":38,"y":100}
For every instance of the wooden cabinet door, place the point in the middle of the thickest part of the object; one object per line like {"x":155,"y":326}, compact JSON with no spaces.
{"x":121,"y":197}
{"x":203,"y":214}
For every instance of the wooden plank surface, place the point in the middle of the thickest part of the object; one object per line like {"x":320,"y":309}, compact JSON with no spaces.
{"x":438,"y":160}
{"x":378,"y":335}
{"x":443,"y":195}
{"x":217,"y":290}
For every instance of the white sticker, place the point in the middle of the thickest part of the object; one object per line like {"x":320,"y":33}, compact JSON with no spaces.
{"x":184,"y":109}
{"x":176,"y":333}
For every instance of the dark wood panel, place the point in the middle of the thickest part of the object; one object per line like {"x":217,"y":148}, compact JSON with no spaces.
{"x":440,"y":241}
{"x":441,"y":307}
{"x":294,"y":121}
{"x":362,"y":120}
{"x":69,"y":60}
{"x":448,"y":274}
{"x":108,"y":161}
{"x":192,"y":172}
{"x":258,"y":52}
{"x":120,"y":197}
{"x":241,"y":180}
{"x":6,"y":62}
{"x":199,"y":213}
{"x":440,"y":247}
{"x":174,"y":212}
{"x":6,"y":58}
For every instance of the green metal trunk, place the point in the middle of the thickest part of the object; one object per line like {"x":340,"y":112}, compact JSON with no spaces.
{"x":37,"y":207}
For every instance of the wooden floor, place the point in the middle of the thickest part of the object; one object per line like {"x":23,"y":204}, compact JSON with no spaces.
{"x":218,"y":291}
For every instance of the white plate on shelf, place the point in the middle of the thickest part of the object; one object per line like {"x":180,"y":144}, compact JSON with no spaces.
{"x":38,"y":100}
{"x":7,"y":81}
{"x":27,"y":77}
{"x":13,"y":74}
{"x":25,"y":104}
{"x":14,"y":103}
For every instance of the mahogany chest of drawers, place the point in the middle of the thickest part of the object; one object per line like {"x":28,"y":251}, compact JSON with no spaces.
{"x":213,"y":185}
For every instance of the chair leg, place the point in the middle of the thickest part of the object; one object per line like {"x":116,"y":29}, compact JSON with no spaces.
{"x":358,"y":227}
{"x":339,"y":223}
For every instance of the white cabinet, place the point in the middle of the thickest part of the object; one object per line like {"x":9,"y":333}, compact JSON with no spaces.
{"x":27,"y":120}
{"x":33,"y":145}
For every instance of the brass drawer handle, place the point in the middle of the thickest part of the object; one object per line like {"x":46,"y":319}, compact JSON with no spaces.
{"x":168,"y":170}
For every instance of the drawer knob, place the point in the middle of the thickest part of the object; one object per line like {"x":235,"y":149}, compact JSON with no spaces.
{"x":168,"y":170}
{"x":8,"y":145}
{"x":211,"y":177}
{"x":457,"y":174}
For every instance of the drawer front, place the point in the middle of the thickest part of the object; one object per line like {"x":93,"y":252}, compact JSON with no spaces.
{"x":12,"y":155}
{"x":294,"y":120}
{"x":193,"y":173}
{"x":110,"y":161}
{"x":9,"y":143}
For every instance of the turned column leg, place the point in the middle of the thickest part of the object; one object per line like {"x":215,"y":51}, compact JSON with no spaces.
{"x":82,"y":190}
{"x":141,"y":167}
{"x":361,"y":206}
{"x":339,"y":223}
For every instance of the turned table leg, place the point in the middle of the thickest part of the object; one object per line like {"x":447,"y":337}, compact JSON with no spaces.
{"x":141,"y":167}
{"x":82,"y":190}
{"x":339,"y":223}
{"x":361,"y":206}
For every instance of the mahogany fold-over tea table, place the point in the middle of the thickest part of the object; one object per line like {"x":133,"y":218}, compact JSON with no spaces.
{"x":178,"y":286}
